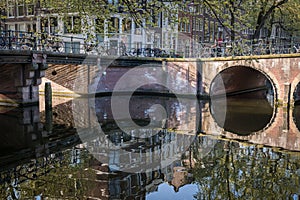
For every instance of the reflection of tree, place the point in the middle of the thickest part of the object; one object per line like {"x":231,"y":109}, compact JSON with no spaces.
{"x":233,"y":170}
{"x":53,"y":176}
{"x":74,"y":174}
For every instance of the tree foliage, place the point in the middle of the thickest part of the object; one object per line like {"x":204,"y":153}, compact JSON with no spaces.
{"x":238,"y":15}
{"x":234,"y":16}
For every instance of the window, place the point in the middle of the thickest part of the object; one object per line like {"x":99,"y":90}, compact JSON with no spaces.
{"x":11,"y":11}
{"x":11,"y":27}
{"x":194,"y":28}
{"x":126,"y":25}
{"x":114,"y":2}
{"x":72,"y":24}
{"x":211,"y":31}
{"x":201,"y":24}
{"x":149,"y":37}
{"x":76,"y":25}
{"x":30,"y":9}
{"x":29,"y":28}
{"x":20,"y":8}
{"x":138,"y":29}
{"x":44,"y":24}
{"x":99,"y":26}
{"x":21,"y":27}
{"x":11,"y":8}
{"x":53,"y":24}
{"x":113,"y":25}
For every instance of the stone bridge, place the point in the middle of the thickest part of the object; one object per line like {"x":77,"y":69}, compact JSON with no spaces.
{"x":276,"y":75}
{"x":22,"y":71}
{"x":271,"y":77}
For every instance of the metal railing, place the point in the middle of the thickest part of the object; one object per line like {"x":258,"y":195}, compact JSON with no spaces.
{"x":20,"y":40}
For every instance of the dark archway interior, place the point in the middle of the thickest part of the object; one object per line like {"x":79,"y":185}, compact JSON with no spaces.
{"x":241,"y":81}
{"x":242,"y":100}
{"x":296,"y":95}
{"x":296,"y":109}
{"x":296,"y":115}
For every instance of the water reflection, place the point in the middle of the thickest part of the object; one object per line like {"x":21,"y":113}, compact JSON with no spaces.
{"x":152,"y":133}
{"x":57,"y":165}
{"x":242,"y":116}
{"x":236,"y":170}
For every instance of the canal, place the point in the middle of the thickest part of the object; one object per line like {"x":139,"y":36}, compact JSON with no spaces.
{"x":155,"y":148}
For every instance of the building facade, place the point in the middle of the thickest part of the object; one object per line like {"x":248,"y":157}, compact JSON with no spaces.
{"x":194,"y":29}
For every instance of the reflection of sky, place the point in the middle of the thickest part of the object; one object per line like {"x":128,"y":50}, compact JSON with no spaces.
{"x":166,"y":192}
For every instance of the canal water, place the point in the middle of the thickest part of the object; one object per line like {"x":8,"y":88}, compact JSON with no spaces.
{"x":153,"y":148}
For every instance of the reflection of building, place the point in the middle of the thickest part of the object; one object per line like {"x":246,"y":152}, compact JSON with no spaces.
{"x":123,"y":185}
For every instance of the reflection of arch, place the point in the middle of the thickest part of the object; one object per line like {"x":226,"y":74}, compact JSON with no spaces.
{"x":243,"y":116}
{"x":238,"y":82}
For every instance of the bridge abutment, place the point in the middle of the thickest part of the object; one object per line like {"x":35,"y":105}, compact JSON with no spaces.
{"x":21,"y":77}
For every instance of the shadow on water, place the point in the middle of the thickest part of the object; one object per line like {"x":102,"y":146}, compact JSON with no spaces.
{"x":23,"y":136}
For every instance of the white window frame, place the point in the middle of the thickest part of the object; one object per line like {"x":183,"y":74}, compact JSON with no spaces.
{"x":11,"y":5}
{"x":20,"y":5}
{"x":27,"y":9}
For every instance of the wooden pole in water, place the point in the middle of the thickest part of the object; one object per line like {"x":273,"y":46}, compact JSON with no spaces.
{"x":48,"y":95}
{"x":48,"y":106}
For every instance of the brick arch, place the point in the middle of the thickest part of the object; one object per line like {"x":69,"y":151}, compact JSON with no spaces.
{"x":294,"y":84}
{"x":267,"y":73}
{"x":257,"y":66}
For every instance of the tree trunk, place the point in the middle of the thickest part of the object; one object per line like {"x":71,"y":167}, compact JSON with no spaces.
{"x":232,"y":20}
{"x":263,"y":17}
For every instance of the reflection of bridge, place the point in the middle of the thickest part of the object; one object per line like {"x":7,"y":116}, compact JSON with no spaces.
{"x":31,"y":130}
{"x":35,"y":152}
{"x":24,"y":138}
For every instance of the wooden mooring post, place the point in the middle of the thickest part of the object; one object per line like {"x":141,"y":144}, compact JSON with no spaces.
{"x":48,"y":107}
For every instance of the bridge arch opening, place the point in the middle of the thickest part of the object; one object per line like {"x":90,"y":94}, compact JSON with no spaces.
{"x":296,"y":116}
{"x":242,"y":100}
{"x":296,"y":108}
{"x":296,"y":94}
